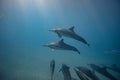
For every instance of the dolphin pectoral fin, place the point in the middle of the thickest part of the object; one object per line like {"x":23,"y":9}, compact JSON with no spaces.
{"x":59,"y":35}
{"x":72,"y":28}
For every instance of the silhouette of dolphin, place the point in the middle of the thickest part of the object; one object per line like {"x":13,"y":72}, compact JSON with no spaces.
{"x":81,"y":75}
{"x":65,"y":72}
{"x":88,"y":72}
{"x":69,"y":33}
{"x":52,"y":68}
{"x":102,"y":70}
{"x":60,"y":45}
{"x":113,"y":67}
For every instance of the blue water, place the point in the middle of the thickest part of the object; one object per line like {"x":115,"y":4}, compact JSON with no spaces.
{"x":24,"y":26}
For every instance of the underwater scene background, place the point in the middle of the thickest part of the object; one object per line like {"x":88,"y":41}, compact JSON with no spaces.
{"x":24,"y":26}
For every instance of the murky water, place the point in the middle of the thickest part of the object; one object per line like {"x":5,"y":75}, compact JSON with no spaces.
{"x":24,"y":26}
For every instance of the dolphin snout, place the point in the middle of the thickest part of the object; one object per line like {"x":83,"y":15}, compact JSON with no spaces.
{"x":52,"y":30}
{"x":45,"y":45}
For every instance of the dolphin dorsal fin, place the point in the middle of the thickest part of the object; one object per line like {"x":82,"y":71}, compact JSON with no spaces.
{"x":61,"y":41}
{"x":72,"y":28}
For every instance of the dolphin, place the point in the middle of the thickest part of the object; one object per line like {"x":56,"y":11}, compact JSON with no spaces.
{"x":52,"y":68}
{"x":81,"y":75}
{"x":69,"y":33}
{"x":113,"y":67}
{"x":88,"y":73}
{"x":60,"y":45}
{"x":65,"y":72}
{"x":102,"y":70}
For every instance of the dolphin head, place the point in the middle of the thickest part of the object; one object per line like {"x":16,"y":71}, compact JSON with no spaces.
{"x":46,"y":45}
{"x":52,"y":45}
{"x":53,"y":30}
{"x":64,"y":68}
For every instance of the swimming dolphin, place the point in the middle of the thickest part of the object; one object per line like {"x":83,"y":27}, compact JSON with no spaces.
{"x":113,"y":67}
{"x":60,"y":45}
{"x":102,"y":70}
{"x":52,"y":68}
{"x":81,"y":75}
{"x":69,"y":33}
{"x":88,"y":72}
{"x":65,"y":72}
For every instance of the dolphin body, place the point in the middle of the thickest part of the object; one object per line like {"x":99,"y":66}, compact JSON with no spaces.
{"x":88,"y":73}
{"x":69,"y":33}
{"x":102,"y":70}
{"x":81,"y":75}
{"x":113,"y":67}
{"x":66,"y":72}
{"x":60,"y":45}
{"x":52,"y":68}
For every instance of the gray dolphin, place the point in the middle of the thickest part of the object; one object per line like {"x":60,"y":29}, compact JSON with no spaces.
{"x":65,"y":72}
{"x":102,"y":70}
{"x":60,"y":45}
{"x":88,"y":73}
{"x":81,"y":75}
{"x":52,"y":68}
{"x":69,"y":33}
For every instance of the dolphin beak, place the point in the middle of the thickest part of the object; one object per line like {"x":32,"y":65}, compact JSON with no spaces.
{"x":52,"y":30}
{"x":45,"y":45}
